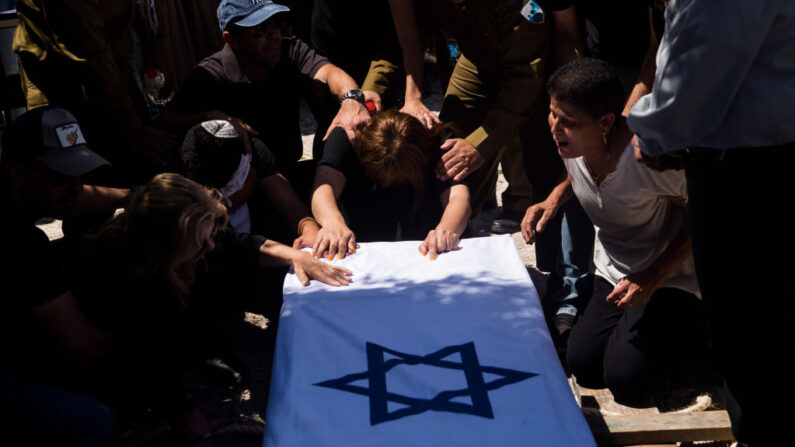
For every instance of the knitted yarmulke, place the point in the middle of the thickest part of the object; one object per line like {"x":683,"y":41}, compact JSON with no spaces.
{"x":211,"y":152}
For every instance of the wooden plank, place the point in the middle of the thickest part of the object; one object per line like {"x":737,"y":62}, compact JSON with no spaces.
{"x":8,"y":20}
{"x":660,"y":428}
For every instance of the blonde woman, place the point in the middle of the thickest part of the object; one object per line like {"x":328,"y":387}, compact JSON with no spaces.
{"x":136,"y":280}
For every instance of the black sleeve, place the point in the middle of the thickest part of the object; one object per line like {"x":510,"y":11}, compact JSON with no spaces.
{"x":196,"y":94}
{"x":240,"y":247}
{"x":338,"y":153}
{"x":33,"y":273}
{"x":262,"y":159}
{"x":306,"y":59}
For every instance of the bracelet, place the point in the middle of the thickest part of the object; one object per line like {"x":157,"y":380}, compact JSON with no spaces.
{"x":303,"y":221}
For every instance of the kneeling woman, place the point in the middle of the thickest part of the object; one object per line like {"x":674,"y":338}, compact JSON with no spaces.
{"x":136,"y":281}
{"x":644,"y":324}
{"x":386,"y":189}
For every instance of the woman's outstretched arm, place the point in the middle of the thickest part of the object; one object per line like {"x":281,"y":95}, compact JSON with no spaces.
{"x":454,"y":220}
{"x":334,"y":237}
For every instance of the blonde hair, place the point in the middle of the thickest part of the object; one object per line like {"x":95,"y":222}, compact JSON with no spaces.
{"x":163,"y":227}
{"x":395,"y":149}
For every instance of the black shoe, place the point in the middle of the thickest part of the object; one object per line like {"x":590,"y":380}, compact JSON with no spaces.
{"x":227,"y":372}
{"x":507,"y":222}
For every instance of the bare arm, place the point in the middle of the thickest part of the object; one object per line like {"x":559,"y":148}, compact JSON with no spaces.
{"x":100,"y":199}
{"x":334,"y":237}
{"x":306,"y":267}
{"x":353,"y":115}
{"x":69,"y":329}
{"x":403,"y":14}
{"x":445,"y":236}
{"x":567,"y":38}
{"x":537,"y":216}
{"x":648,"y":69}
{"x":337,"y":80}
{"x":455,"y":201}
{"x":282,"y":196}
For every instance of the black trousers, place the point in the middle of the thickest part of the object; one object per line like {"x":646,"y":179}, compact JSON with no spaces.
{"x":744,"y":249}
{"x":632,"y":351}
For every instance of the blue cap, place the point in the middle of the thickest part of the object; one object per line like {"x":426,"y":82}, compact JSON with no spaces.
{"x":247,"y":13}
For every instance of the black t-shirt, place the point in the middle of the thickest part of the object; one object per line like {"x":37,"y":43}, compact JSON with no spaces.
{"x":375,"y":213}
{"x":262,"y":159}
{"x":271,"y":107}
{"x":32,"y":274}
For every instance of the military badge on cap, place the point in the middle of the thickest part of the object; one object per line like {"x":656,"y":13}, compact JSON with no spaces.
{"x":69,"y":135}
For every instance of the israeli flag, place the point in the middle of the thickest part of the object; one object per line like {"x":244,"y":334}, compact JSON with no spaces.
{"x":451,"y":352}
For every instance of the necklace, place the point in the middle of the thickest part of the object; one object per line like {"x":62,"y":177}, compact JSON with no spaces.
{"x":596,"y":178}
{"x":599,"y":178}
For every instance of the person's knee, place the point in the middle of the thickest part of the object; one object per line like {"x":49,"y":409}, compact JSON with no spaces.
{"x":583,"y":361}
{"x":631,"y":385}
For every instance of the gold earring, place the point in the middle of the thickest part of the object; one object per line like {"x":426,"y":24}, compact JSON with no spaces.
{"x":604,"y":139}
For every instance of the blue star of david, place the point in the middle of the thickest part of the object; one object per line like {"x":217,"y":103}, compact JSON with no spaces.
{"x":477,"y":388}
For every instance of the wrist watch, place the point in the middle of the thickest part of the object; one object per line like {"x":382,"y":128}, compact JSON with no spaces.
{"x":354,"y":94}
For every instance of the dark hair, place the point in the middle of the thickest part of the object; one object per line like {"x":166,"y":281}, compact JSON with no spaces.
{"x":590,"y":85}
{"x":210,"y":160}
{"x":395,"y":149}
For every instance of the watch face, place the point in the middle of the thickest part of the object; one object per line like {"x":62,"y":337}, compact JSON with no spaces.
{"x":356,"y":95}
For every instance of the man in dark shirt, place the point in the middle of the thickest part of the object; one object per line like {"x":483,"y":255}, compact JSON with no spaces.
{"x":44,"y":153}
{"x":257,"y":77}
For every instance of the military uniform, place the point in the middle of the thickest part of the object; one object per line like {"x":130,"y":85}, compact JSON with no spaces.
{"x":496,"y":87}
{"x":72,"y":55}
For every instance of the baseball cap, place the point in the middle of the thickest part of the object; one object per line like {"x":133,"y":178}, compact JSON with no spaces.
{"x":247,"y":13}
{"x":51,"y":135}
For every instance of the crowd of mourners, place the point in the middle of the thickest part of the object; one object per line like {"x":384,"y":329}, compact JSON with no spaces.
{"x":646,"y":145}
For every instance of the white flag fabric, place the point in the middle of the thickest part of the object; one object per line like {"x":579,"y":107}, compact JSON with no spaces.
{"x":451,"y":352}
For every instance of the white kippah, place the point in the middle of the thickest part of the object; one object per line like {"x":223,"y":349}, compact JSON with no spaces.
{"x":220,"y":129}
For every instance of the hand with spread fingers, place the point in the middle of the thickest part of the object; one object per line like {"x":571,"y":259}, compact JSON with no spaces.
{"x":536,"y":219}
{"x":459,"y":160}
{"x":634,"y":289}
{"x":306,"y":267}
{"x":334,"y":240}
{"x":352,"y":117}
{"x":418,"y":110}
{"x":438,"y":241}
